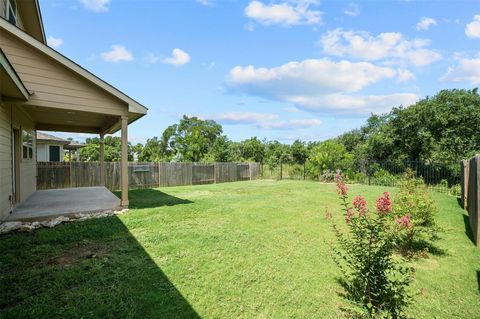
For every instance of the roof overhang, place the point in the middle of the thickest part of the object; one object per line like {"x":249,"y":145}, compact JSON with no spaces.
{"x":45,"y":141}
{"x":74,"y":146}
{"x":11,"y":87}
{"x":135,"y":109}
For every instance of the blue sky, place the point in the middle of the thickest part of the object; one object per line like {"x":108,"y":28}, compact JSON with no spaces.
{"x":288,"y":69}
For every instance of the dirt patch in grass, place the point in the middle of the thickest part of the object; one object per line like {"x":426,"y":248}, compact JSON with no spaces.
{"x":79,"y":254}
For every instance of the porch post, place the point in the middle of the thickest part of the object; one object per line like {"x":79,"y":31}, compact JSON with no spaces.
{"x":124,"y":161}
{"x":102,"y":160}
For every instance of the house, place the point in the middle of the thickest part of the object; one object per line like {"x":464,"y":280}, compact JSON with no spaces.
{"x":40,"y":89}
{"x":50,"y":148}
{"x":73,"y":148}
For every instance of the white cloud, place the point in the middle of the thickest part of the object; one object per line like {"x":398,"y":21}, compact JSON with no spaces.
{"x":263,"y":120}
{"x":151,"y":58}
{"x":290,"y":124}
{"x":467,"y":70}
{"x":54,"y":42}
{"x":178,"y":58}
{"x":249,"y":26}
{"x":404,"y":75}
{"x":291,"y":109}
{"x":322,"y":85}
{"x":243,"y":117}
{"x":287,"y":13}
{"x":352,"y":9}
{"x":117,"y":53}
{"x":389,"y":47}
{"x":472,"y":30}
{"x":96,"y":5}
{"x":425,"y":23}
{"x":354,"y":105}
{"x":207,"y":3}
{"x":313,"y":76}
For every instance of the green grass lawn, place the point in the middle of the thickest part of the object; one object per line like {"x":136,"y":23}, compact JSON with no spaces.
{"x":241,"y":250}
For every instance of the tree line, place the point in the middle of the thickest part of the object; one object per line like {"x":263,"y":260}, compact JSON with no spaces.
{"x":442,"y":128}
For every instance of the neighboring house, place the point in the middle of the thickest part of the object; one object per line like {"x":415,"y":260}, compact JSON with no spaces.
{"x":50,"y":148}
{"x":40,"y":89}
{"x":73,"y":149}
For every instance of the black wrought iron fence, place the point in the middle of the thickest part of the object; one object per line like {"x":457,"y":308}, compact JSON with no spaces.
{"x":441,"y":177}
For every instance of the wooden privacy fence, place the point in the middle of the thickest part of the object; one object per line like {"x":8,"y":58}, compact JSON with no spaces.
{"x":470,"y":182}
{"x":142,"y":175}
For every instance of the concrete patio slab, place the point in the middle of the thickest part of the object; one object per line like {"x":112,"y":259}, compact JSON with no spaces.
{"x":48,"y":204}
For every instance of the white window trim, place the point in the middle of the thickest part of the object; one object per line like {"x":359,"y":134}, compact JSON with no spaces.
{"x":8,"y":8}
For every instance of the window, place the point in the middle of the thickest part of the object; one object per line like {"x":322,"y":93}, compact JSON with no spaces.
{"x":27,"y":144}
{"x":54,"y":153}
{"x":11,"y":13}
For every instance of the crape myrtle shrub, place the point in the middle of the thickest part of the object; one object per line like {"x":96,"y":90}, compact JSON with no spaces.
{"x":374,"y":278}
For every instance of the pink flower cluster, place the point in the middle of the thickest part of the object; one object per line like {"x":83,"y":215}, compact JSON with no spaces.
{"x":349,"y":215}
{"x":404,"y":221}
{"x":342,"y":188}
{"x":360,"y":205}
{"x":384,"y":204}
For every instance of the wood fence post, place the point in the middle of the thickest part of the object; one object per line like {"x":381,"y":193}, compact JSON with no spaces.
{"x":281,"y":168}
{"x":70,"y":173}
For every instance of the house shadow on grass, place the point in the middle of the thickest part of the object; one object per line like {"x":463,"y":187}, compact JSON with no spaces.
{"x":151,"y":198}
{"x":90,"y":269}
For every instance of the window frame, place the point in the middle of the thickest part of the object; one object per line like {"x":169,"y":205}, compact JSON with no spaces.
{"x":11,"y":9}
{"x":28,"y":142}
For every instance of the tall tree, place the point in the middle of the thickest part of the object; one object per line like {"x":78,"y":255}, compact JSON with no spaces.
{"x":299,"y":152}
{"x":90,"y":152}
{"x":252,"y":149}
{"x":330,"y":155}
{"x":192,"y":138}
{"x":223,"y":150}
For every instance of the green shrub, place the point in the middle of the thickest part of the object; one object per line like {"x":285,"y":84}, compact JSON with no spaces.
{"x":414,"y":216}
{"x":382,"y":177}
{"x":327,"y":176}
{"x":455,"y":190}
{"x":375,"y":281}
{"x":293,"y":171}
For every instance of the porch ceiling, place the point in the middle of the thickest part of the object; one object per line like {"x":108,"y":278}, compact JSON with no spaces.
{"x":53,"y":119}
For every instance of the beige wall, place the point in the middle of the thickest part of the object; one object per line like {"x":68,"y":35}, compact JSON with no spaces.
{"x":2,"y":8}
{"x":28,"y":167}
{"x":53,"y":85}
{"x":5,"y":161}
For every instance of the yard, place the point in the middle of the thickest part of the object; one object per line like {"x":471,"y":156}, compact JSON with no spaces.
{"x":240,"y":250}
